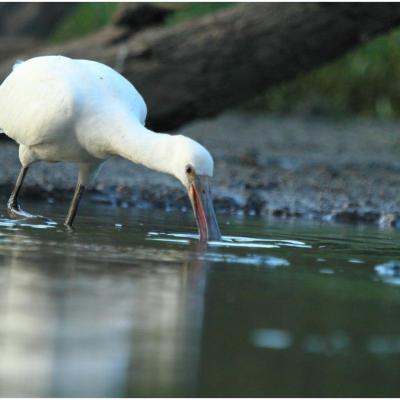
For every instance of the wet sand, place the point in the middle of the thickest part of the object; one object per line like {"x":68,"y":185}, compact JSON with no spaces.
{"x":275,"y":166}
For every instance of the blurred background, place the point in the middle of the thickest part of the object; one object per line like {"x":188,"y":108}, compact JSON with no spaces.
{"x":363,"y":82}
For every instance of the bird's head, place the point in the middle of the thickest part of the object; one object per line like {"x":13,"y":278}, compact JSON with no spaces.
{"x":193,"y":166}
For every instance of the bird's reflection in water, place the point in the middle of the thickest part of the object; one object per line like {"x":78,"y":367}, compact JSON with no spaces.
{"x":70,"y":327}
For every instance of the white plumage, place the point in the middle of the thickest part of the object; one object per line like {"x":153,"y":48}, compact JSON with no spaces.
{"x":80,"y":111}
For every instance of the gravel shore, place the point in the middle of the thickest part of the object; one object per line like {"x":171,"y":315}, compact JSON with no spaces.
{"x":286,"y":167}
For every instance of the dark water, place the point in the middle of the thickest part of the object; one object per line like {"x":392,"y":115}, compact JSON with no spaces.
{"x":142,"y":310}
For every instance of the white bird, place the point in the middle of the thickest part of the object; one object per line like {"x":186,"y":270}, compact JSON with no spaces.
{"x":81,"y":111}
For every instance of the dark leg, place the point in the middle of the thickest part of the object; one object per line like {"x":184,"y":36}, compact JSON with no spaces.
{"x":13,"y":208}
{"x":74,"y":205}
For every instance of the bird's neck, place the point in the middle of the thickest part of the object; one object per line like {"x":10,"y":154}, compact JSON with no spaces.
{"x":140,"y":145}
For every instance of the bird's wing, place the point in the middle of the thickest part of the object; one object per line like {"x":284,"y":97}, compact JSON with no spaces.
{"x":118,"y":87}
{"x":36,"y":102}
{"x":44,"y":98}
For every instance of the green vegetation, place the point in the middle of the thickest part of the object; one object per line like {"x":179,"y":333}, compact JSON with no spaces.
{"x":365,"y":82}
{"x":85,"y":18}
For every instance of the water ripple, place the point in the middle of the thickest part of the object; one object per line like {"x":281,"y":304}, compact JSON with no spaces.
{"x":250,"y":259}
{"x":23,"y":223}
{"x":231,"y":241}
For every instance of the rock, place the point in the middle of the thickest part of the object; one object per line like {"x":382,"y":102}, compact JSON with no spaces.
{"x":285,"y":212}
{"x":226,"y":204}
{"x":389,"y":220}
{"x":353,"y":214}
{"x":255,"y":204}
{"x":249,"y":157}
{"x":370,"y":217}
{"x":347,"y":216}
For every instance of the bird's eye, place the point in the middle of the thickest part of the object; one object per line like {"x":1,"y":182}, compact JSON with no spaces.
{"x":189,"y":169}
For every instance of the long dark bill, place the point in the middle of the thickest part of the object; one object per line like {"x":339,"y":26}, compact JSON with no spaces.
{"x":200,"y":197}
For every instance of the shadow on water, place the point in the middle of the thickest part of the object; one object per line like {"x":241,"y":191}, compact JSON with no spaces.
{"x":130,"y":304}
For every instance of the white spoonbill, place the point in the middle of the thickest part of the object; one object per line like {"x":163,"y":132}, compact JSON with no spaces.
{"x":81,"y":111}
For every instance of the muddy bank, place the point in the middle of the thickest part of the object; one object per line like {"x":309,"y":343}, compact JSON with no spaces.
{"x":283,"y":167}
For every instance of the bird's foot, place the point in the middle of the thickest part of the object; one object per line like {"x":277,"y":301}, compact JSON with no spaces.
{"x":69,"y":228}
{"x":16,"y":212}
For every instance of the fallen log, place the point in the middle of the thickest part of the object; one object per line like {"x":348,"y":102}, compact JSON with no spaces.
{"x":199,"y":68}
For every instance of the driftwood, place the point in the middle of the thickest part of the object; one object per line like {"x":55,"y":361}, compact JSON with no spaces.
{"x":201,"y":67}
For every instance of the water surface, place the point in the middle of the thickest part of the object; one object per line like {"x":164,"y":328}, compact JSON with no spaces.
{"x":130,"y":304}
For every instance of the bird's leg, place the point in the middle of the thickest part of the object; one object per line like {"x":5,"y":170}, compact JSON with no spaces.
{"x":13,"y":208}
{"x":74,"y":205}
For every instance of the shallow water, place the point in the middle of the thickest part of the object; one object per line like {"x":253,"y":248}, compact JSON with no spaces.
{"x":130,"y":304}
